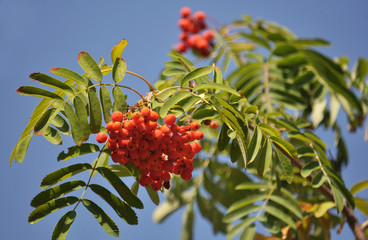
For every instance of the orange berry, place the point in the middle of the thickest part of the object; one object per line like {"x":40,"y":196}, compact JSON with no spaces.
{"x":198,"y":135}
{"x":145,"y":112}
{"x":214,"y":124}
{"x":170,"y":119}
{"x":201,"y":43}
{"x":101,"y":137}
{"x":185,"y":12}
{"x":153,"y":116}
{"x":117,"y":116}
{"x":208,"y":35}
{"x":109,"y":126}
{"x":181,"y":47}
{"x":136,"y":116}
{"x":195,"y":125}
{"x":184,"y":24}
{"x":199,"y":16}
{"x":116,"y":126}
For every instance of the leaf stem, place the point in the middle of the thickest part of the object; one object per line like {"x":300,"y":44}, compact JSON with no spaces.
{"x":137,"y":75}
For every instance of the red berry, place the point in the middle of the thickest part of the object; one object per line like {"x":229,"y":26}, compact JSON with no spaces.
{"x":184,"y":24}
{"x":156,"y":185}
{"x":214,"y":124}
{"x":185,"y":12}
{"x":170,"y":119}
{"x":101,"y":137}
{"x":116,"y":126}
{"x":153,"y":116}
{"x":145,"y":180}
{"x":198,"y":135}
{"x":199,"y":16}
{"x":117,"y":116}
{"x":186,"y":174}
{"x":195,"y":125}
{"x":183,"y":36}
{"x":208,"y":35}
{"x":109,"y":126}
{"x":201,"y":43}
{"x":145,"y":112}
{"x":181,"y":47}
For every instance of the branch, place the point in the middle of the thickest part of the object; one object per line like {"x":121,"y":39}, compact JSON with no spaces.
{"x":347,"y":211}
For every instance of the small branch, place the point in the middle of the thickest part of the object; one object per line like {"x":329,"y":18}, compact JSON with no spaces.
{"x":347,"y":211}
{"x":137,"y":75}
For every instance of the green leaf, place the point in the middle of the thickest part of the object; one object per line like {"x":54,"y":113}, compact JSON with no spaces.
{"x":120,"y":103}
{"x":323,"y":208}
{"x":362,"y":205}
{"x":120,"y":170}
{"x":95,"y":116}
{"x":188,"y":102}
{"x":338,"y":199}
{"x":61,"y":124}
{"x":309,"y":168}
{"x":120,"y":187}
{"x":165,"y":209}
{"x":173,"y":71}
{"x":106,"y":103}
{"x":247,"y":201}
{"x":262,"y":42}
{"x":45,"y":209}
{"x":292,"y":61}
{"x":53,"y":136}
{"x":318,"y":179}
{"x":265,"y":158}
{"x":121,"y":208}
{"x":312,"y":42}
{"x":50,"y":81}
{"x":117,"y":50}
{"x":279,"y":214}
{"x":44,"y":121}
{"x":223,"y":139}
{"x":38,"y":92}
{"x":254,"y":145}
{"x":289,"y":205}
{"x":270,"y":130}
{"x":56,"y":192}
{"x":103,"y":219}
{"x":76,"y":151}
{"x":172,"y":101}
{"x":63,"y":226}
{"x":119,"y":70}
{"x":241,"y":226}
{"x":63,"y":173}
{"x":359,"y":187}
{"x":240,"y":212}
{"x":252,"y":185}
{"x":286,"y":166}
{"x":77,"y":132}
{"x":217,"y":77}
{"x":196,"y":73}
{"x":90,"y":66}
{"x":203,"y":114}
{"x":153,"y":195}
{"x":284,"y":49}
{"x":360,"y":71}
{"x":188,"y":222}
{"x":69,"y":74}
{"x":21,"y":148}
{"x":42,"y":106}
{"x":304,"y":78}
{"x":285,"y":145}
{"x":82,"y":114}
{"x":216,"y":86}
{"x":248,"y":233}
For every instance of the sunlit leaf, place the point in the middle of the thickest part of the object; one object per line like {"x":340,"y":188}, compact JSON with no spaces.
{"x":45,"y":209}
{"x":217,"y":87}
{"x":119,"y":70}
{"x":203,"y":114}
{"x":247,"y":201}
{"x":279,"y":214}
{"x":285,"y":145}
{"x":286,"y":203}
{"x":106,"y":103}
{"x":38,"y":92}
{"x":362,"y":205}
{"x":120,"y":207}
{"x":63,"y":173}
{"x":252,"y":185}
{"x":357,"y":187}
{"x":103,"y":219}
{"x":69,"y":74}
{"x":338,"y":199}
{"x":240,"y":212}
{"x":120,"y":103}
{"x":120,"y":170}
{"x":265,"y":158}
{"x":241,"y":226}
{"x":309,"y":168}
{"x":95,"y":115}
{"x":75,"y":125}
{"x":63,"y":226}
{"x":286,"y":166}
{"x":254,"y":145}
{"x":22,"y":147}
{"x":50,"y":81}
{"x":120,"y":187}
{"x":90,"y":66}
{"x":172,"y":101}
{"x":318,"y":179}
{"x":76,"y":151}
{"x":82,"y":114}
{"x":323,"y":208}
{"x":196,"y":73}
{"x":117,"y":50}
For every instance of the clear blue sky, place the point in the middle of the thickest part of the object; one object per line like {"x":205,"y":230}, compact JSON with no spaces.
{"x":38,"y":35}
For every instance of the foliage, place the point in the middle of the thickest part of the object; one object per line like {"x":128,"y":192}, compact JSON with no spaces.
{"x":268,"y":89}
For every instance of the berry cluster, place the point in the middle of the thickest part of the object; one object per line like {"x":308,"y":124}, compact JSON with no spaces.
{"x":191,"y":37}
{"x":157,"y":150}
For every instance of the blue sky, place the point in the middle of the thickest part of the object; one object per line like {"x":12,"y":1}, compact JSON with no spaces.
{"x":38,"y":35}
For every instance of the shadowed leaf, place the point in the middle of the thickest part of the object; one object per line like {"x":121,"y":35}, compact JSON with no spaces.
{"x":63,"y":226}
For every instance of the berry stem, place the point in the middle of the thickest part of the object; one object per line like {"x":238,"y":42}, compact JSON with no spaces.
{"x":137,"y":75}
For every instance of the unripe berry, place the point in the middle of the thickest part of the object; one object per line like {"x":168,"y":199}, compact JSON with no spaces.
{"x":101,"y":137}
{"x":170,"y":119}
{"x":214,"y":124}
{"x":117,"y":116}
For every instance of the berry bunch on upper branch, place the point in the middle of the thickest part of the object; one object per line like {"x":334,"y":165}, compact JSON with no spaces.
{"x":195,"y":35}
